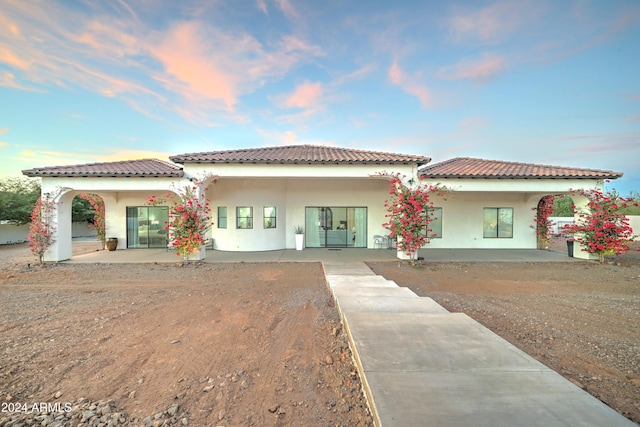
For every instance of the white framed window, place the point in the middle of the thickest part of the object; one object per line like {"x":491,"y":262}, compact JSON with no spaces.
{"x":497,"y":223}
{"x":269,"y":216}
{"x":244,"y":217}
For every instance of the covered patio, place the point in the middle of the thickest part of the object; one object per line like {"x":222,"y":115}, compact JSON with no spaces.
{"x":330,"y":254}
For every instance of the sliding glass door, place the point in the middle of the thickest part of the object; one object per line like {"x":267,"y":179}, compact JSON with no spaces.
{"x":335,"y":227}
{"x":146,"y":226}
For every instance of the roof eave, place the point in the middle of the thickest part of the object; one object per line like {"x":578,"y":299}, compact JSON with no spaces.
{"x":425,"y":176}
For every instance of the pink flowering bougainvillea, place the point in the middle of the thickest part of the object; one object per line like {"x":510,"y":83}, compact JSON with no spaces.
{"x":601,"y":229}
{"x":409,"y":213}
{"x":99,"y":225}
{"x":189,"y":218}
{"x":543,"y":211}
{"x":42,"y":229}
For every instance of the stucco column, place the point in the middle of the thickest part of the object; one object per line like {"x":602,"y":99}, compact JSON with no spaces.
{"x":581,"y":204}
{"x":62,"y":247}
{"x":115,"y":219}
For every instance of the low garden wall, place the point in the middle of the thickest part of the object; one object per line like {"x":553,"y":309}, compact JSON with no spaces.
{"x":11,"y":233}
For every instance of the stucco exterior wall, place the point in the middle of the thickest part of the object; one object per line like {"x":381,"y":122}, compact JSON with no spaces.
{"x":462,"y":220}
{"x":290,"y":197}
{"x":634,"y":222}
{"x":293,"y":187}
{"x":531,"y":186}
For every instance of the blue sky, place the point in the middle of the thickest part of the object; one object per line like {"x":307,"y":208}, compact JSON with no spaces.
{"x":552,"y":82}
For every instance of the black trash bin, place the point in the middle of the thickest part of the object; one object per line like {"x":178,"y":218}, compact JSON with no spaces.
{"x":570,"y":247}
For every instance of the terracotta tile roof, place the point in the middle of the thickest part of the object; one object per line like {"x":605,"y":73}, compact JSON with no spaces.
{"x":466,"y":167}
{"x":126,"y":168}
{"x":298,"y":154}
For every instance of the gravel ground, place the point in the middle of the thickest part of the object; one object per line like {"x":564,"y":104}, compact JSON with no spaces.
{"x":229,"y":344}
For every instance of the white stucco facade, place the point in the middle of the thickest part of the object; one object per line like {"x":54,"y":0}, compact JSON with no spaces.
{"x":290,"y":188}
{"x":293,"y":189}
{"x":462,"y":210}
{"x":290,"y":197}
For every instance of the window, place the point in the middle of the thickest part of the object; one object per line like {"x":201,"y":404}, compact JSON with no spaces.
{"x":498,"y":223}
{"x":244,"y":217}
{"x":436,"y":223}
{"x":222,"y":217}
{"x":269,"y":216}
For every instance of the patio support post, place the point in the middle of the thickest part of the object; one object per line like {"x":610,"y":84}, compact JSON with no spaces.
{"x":62,"y":248}
{"x":581,"y":204}
{"x":114,"y":225}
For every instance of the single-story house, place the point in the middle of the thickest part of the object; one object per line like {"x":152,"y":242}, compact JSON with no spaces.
{"x":259,"y":195}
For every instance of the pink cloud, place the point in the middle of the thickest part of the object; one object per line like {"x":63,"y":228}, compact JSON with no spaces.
{"x":200,"y":68}
{"x":262,"y":5}
{"x":8,"y":79}
{"x":410,"y":84}
{"x":491,"y":24}
{"x":355,"y":75}
{"x":479,"y":70}
{"x":10,"y":58}
{"x":630,"y":119}
{"x":306,"y":95}
{"x":287,"y":9}
{"x":192,"y":67}
{"x":396,"y":75}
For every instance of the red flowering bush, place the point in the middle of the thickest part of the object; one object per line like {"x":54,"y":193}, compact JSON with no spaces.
{"x":97,"y":204}
{"x":189,"y":218}
{"x":543,"y":211}
{"x":410,"y":211}
{"x":42,"y":229}
{"x":601,"y":229}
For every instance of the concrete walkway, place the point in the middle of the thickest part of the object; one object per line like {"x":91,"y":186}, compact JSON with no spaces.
{"x":423,"y":366}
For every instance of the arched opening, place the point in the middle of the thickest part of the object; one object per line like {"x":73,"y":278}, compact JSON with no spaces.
{"x":553,"y":213}
{"x":87,"y":223}
{"x":544,"y":231}
{"x":562,"y":214}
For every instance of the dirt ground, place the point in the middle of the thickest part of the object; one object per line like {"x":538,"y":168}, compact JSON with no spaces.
{"x":580,"y":319}
{"x":154,"y":345}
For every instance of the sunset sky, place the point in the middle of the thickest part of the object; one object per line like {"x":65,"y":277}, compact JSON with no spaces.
{"x":540,"y":81}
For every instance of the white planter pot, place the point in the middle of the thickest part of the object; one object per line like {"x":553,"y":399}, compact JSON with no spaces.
{"x":197,"y":255}
{"x":299,"y":242}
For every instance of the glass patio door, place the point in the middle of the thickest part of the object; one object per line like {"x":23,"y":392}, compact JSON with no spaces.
{"x":335,"y":227}
{"x":146,"y":226}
